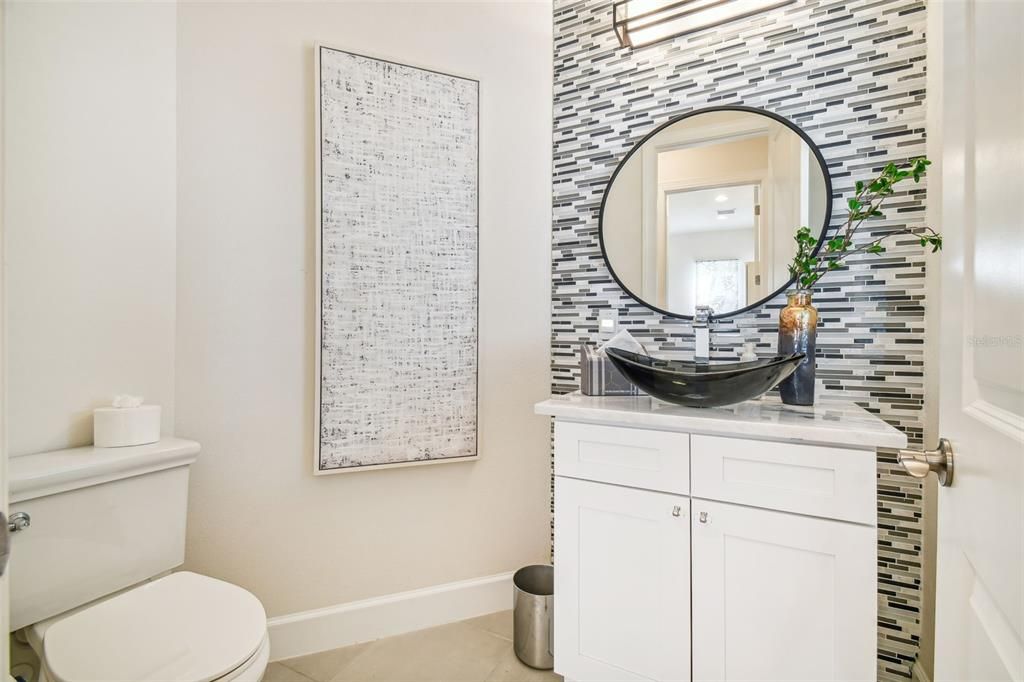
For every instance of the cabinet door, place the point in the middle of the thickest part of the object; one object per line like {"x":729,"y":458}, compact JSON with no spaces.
{"x":779,"y":596}
{"x":622,"y":583}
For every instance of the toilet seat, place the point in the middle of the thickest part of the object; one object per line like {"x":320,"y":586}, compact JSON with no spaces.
{"x":183,"y":627}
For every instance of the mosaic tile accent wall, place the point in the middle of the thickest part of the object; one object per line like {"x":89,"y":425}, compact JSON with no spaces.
{"x":850,"y":73}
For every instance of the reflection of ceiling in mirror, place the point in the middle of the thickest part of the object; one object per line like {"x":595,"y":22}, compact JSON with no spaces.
{"x":704,"y":210}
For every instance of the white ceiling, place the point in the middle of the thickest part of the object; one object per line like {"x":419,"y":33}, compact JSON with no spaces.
{"x":697,"y":210}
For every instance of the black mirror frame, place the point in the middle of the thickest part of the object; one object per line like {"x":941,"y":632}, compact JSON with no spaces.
{"x":826,"y":223}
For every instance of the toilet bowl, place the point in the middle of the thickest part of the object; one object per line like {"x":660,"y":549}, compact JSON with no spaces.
{"x":183,"y":627}
{"x":90,"y":572}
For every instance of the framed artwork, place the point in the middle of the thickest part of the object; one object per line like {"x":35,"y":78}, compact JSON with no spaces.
{"x":397,"y":154}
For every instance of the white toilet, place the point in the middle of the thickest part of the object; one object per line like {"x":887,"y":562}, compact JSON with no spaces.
{"x":104,"y":524}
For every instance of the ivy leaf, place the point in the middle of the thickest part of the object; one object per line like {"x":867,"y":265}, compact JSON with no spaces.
{"x":876,"y":248}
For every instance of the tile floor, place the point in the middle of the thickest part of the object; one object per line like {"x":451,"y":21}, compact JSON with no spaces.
{"x":476,"y":650}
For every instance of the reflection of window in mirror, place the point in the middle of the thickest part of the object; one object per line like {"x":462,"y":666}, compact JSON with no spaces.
{"x":720,"y":284}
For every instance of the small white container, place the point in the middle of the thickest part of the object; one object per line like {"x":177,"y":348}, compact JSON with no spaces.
{"x":118,"y":427}
{"x":748,"y":354}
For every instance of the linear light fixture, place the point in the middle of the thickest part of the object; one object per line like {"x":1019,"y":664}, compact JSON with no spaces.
{"x":639,"y":23}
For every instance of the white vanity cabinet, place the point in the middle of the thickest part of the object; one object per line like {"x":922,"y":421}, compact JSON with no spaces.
{"x":722,"y":544}
{"x":622,"y":582}
{"x":780,"y":596}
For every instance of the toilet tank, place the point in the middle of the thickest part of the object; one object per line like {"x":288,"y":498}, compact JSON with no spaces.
{"x":102,"y":519}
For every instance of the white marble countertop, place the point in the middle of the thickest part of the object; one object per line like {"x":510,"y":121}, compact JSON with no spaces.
{"x":830,"y":421}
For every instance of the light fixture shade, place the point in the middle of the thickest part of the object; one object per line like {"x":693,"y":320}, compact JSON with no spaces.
{"x":639,"y":23}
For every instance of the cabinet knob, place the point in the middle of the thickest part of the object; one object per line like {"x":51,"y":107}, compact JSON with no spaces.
{"x":704,"y":517}
{"x":677,"y":510}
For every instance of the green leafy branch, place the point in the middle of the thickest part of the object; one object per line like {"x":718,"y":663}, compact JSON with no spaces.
{"x":807,"y":268}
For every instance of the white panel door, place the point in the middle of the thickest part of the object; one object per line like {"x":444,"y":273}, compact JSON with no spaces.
{"x":622,"y":583}
{"x":976,"y":59}
{"x":779,"y":596}
{"x":4,"y":600}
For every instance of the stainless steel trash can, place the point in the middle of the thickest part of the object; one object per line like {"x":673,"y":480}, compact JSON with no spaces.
{"x":532,"y":616}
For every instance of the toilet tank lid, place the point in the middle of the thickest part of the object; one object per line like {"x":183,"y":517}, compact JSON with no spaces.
{"x":49,"y":473}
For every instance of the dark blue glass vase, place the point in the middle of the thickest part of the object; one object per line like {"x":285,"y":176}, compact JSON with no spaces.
{"x":798,"y":330}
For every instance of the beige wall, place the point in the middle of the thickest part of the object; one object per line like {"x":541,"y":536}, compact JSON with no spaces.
{"x":89,"y":214}
{"x":258,"y":517}
{"x":622,"y":229}
{"x":785,"y":212}
{"x":714,"y":163}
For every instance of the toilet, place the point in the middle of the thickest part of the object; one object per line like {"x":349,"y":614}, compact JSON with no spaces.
{"x":91,"y":581}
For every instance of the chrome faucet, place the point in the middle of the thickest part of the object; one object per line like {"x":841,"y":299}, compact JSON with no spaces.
{"x":702,"y":333}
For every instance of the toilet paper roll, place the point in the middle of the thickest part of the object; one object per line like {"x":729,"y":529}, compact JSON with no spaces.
{"x":118,"y":427}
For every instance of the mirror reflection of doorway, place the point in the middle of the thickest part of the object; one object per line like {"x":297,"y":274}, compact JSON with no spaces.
{"x":712,"y":238}
{"x":727,"y":151}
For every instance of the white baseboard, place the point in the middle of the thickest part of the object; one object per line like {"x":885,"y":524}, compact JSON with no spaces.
{"x":918,"y":674}
{"x":341,"y":625}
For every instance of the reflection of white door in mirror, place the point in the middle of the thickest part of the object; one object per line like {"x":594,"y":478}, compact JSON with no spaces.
{"x":711,"y":236}
{"x":715,"y":160}
{"x":722,"y":185}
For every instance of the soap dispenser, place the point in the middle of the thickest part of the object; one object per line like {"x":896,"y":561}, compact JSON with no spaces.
{"x":748,"y":354}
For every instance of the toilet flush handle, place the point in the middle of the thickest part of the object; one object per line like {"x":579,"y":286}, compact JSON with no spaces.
{"x":19,"y":521}
{"x":5,"y":543}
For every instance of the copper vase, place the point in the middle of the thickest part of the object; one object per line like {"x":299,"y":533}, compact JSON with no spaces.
{"x":798,"y":330}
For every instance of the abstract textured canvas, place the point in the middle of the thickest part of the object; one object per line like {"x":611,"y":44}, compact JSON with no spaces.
{"x":397,"y":264}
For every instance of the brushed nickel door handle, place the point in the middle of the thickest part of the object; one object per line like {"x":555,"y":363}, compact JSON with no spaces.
{"x":940,"y":460}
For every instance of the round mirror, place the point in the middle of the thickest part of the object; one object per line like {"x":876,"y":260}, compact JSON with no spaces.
{"x":704,"y":210}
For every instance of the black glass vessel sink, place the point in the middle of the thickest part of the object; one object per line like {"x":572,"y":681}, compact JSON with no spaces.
{"x":696,"y":384}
